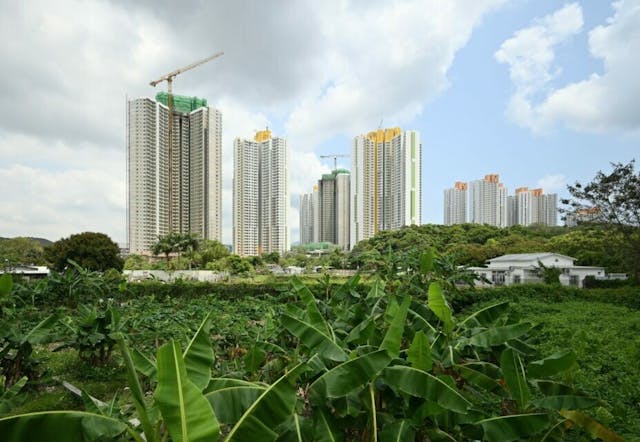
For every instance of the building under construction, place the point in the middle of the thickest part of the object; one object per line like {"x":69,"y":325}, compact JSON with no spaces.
{"x":177,"y":186}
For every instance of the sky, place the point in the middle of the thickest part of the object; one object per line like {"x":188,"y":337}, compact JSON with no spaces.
{"x":542,"y":92}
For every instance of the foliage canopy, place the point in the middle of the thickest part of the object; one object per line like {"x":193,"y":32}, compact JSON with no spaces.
{"x":90,"y":250}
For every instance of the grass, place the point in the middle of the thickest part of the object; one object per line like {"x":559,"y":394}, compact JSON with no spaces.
{"x":606,"y":340}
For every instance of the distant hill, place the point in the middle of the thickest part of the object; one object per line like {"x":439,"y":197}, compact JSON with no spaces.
{"x":42,"y":241}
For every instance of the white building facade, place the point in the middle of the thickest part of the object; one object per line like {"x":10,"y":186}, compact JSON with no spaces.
{"x":178,"y":194}
{"x":524,"y":268}
{"x":534,"y":207}
{"x":488,"y":201}
{"x":386,"y":182}
{"x":455,"y":204}
{"x":306,"y":218}
{"x":260,"y":195}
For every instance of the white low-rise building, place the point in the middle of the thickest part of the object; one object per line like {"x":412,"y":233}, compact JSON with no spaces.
{"x":27,"y":271}
{"x":524,"y":268}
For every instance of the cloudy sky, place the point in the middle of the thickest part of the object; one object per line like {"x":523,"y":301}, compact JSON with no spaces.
{"x":542,"y":92}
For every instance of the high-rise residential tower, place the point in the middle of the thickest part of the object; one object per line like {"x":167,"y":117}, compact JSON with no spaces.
{"x":334,"y":201}
{"x":488,"y":201}
{"x":190,"y":181}
{"x":306,"y":218}
{"x":260,"y":195}
{"x":386,"y":182}
{"x":455,"y":204}
{"x":534,"y":207}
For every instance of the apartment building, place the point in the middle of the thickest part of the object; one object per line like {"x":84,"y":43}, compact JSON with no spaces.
{"x":260,"y":195}
{"x":386,"y":182}
{"x":455,"y":204}
{"x":488,"y":201}
{"x":175,"y":188}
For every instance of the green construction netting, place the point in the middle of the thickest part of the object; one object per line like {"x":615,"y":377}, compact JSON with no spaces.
{"x":182,"y":103}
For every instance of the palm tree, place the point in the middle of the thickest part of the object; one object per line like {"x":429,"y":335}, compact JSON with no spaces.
{"x":176,"y":242}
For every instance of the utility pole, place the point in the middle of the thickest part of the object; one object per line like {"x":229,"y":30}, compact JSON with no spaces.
{"x":169,"y":79}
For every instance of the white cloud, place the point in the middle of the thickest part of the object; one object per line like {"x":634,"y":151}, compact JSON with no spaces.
{"x":53,"y":190}
{"x":383,"y":61}
{"x":530,"y":56}
{"x":553,"y":183}
{"x":55,"y":204}
{"x":602,"y":102}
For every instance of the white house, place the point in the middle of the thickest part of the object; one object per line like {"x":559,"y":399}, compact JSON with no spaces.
{"x":522,"y":268}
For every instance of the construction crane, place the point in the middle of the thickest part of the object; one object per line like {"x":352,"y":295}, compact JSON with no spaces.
{"x":169,"y":79}
{"x":335,"y":159}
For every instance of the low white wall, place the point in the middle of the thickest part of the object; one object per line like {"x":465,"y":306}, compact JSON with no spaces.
{"x":166,"y":276}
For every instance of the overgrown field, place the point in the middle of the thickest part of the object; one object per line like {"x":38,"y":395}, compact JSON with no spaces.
{"x":260,"y":332}
{"x":603,"y":332}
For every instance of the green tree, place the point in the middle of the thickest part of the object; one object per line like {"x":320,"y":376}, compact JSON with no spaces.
{"x":239,"y":266}
{"x":272,"y":258}
{"x":21,"y":250}
{"x":137,"y":262}
{"x":337,"y":259}
{"x":615,"y":199}
{"x":175,"y":242}
{"x":593,"y":245}
{"x":91,"y":250}
{"x":210,"y":251}
{"x":549,"y":275}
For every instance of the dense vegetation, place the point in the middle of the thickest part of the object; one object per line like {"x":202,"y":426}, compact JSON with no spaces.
{"x":91,"y":250}
{"x":21,"y":250}
{"x":387,"y":358}
{"x":613,"y":199}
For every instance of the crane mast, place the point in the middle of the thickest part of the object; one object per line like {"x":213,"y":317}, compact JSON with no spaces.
{"x":169,"y":79}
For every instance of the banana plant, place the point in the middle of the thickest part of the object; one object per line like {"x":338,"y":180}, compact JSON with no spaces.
{"x":179,"y":409}
{"x":385,"y":366}
{"x":17,"y":340}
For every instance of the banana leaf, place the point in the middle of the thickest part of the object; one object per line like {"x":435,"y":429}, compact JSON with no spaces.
{"x":314,"y":339}
{"x":231,"y":402}
{"x":186,"y":413}
{"x":144,"y":364}
{"x":349,"y":376}
{"x":591,"y":426}
{"x":398,"y":431}
{"x":271,"y":409}
{"x":480,"y":379}
{"x":427,"y":386}
{"x":486,"y":316}
{"x":198,"y":356}
{"x":393,"y":337}
{"x":554,"y":364}
{"x":439,"y":307}
{"x":515,"y":377}
{"x":499,"y":335}
{"x":315,"y":317}
{"x":64,"y":426}
{"x":10,"y":397}
{"x":419,"y":352}
{"x":325,"y":428}
{"x":42,"y":332}
{"x":513,"y":427}
{"x":569,"y":402}
{"x":6,"y":285}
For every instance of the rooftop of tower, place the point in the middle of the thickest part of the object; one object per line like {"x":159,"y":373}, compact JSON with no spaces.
{"x":384,"y":135}
{"x":182,"y":103}
{"x":334,"y":174}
